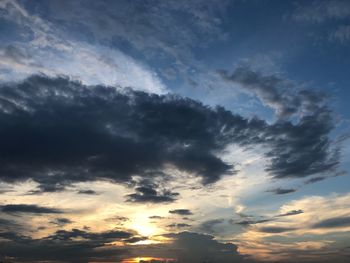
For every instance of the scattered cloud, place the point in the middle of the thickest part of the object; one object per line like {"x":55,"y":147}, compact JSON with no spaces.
{"x":32,"y":209}
{"x":149,"y":194}
{"x":292,"y":213}
{"x":321,"y":11}
{"x":178,"y":225}
{"x":182,"y":212}
{"x":155,"y":217}
{"x":275,"y":229}
{"x":250,"y":222}
{"x":209,"y":226}
{"x":87,"y":192}
{"x":333,"y":222}
{"x":276,"y":92}
{"x":282,"y":191}
{"x":61,"y":221}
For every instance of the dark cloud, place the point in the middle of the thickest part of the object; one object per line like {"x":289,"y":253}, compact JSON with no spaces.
{"x":333,"y":222}
{"x":67,"y":246}
{"x":315,"y":179}
{"x":58,"y":132}
{"x":61,"y":221}
{"x":275,"y":229}
{"x":292,"y":213}
{"x":282,"y":191}
{"x":190,"y":247}
{"x":82,"y":246}
{"x":209,"y":225}
{"x":182,"y":212}
{"x":321,"y":178}
{"x":117,"y":219}
{"x":87,"y":192}
{"x":249,"y":222}
{"x":297,"y":150}
{"x":276,"y":92}
{"x":103,"y":236}
{"x":148,"y":193}
{"x":4,"y":191}
{"x":8,"y":224}
{"x":32,"y":209}
{"x":179,"y":225}
{"x":155,"y":217}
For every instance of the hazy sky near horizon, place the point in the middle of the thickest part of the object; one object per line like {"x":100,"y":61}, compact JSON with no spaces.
{"x":197,"y":131}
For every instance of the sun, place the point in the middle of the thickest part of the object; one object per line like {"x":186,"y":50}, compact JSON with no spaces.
{"x":144,"y":229}
{"x":143,"y":226}
{"x":147,"y":259}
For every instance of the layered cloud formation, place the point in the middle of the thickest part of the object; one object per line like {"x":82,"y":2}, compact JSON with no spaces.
{"x":57,"y":132}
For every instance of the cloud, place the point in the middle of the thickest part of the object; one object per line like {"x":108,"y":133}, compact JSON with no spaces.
{"x":68,"y":246}
{"x":292,"y":213}
{"x":191,"y":247}
{"x":32,"y":209}
{"x":210,"y":224}
{"x":321,"y":11}
{"x":61,"y":221}
{"x":284,"y":237}
{"x":321,"y":178}
{"x":35,"y":39}
{"x":76,"y":133}
{"x":182,"y":212}
{"x":315,"y":179}
{"x":118,"y":219}
{"x":250,"y":222}
{"x":331,"y":14}
{"x":282,"y":191}
{"x":103,"y":236}
{"x":276,"y":92}
{"x":148,"y":29}
{"x":295,"y":150}
{"x":87,"y":192}
{"x":178,"y":225}
{"x":106,"y":133}
{"x":148,"y":193}
{"x":82,"y":246}
{"x":155,"y":217}
{"x":275,"y":229}
{"x":333,"y":222}
{"x":314,"y":216}
{"x":342,"y":34}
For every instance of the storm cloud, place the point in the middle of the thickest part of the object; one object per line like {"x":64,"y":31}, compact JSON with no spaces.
{"x":58,"y":132}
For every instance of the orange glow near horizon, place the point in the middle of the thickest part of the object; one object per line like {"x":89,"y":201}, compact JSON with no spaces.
{"x":147,"y":259}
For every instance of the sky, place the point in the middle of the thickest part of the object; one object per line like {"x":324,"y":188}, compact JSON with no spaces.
{"x":174,"y":131}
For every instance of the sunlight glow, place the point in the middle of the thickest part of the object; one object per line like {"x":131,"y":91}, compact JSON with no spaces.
{"x":148,"y":259}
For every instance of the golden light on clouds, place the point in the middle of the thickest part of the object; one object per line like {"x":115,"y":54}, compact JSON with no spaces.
{"x":148,"y":259}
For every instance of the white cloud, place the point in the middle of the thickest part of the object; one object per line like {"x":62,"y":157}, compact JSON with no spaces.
{"x":47,"y":52}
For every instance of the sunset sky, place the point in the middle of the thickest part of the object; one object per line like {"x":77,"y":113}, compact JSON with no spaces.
{"x":184,"y":131}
